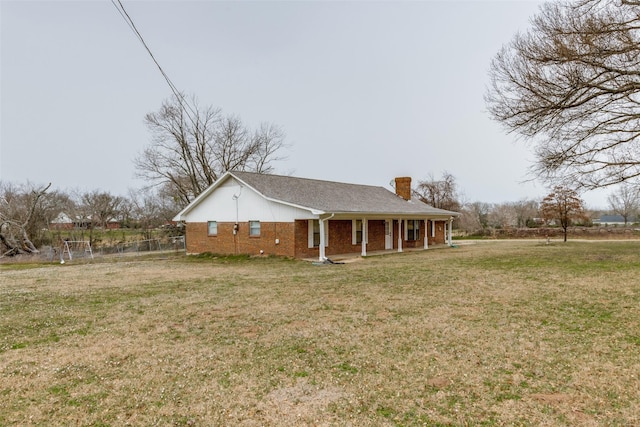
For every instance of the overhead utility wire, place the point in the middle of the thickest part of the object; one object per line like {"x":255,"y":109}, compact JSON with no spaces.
{"x":120,"y":8}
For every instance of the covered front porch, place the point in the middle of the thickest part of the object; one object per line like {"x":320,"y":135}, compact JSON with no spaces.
{"x":371,"y":234}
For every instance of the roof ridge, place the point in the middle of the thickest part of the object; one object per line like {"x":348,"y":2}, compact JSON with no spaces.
{"x":307,"y":179}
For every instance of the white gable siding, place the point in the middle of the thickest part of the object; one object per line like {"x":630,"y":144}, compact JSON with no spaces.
{"x":220,"y":206}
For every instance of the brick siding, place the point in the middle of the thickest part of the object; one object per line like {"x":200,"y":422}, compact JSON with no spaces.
{"x":225,"y":242}
{"x":438,"y":239}
{"x":293,"y":238}
{"x":339,"y":239}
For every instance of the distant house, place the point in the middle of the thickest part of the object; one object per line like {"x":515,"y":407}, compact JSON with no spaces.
{"x":62,"y":222}
{"x":613,"y":220}
{"x":113,"y":224}
{"x":250,"y":213}
{"x":65,"y":222}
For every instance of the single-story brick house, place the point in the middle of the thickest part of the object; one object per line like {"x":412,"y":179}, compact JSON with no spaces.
{"x":62,"y":222}
{"x":251,"y":213}
{"x":65,"y":222}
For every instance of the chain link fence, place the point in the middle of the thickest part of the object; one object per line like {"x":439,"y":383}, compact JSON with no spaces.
{"x":76,"y":250}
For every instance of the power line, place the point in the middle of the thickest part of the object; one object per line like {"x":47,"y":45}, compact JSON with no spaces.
{"x":181,"y":100}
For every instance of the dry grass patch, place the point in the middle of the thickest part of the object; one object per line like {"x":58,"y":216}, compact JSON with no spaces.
{"x":493,"y":334}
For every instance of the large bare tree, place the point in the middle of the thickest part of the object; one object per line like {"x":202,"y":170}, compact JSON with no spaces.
{"x":571,"y":85}
{"x":192,"y":146}
{"x":440,"y":193}
{"x":20,"y":210}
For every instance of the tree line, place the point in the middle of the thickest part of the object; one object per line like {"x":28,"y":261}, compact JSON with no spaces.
{"x":28,"y":212}
{"x":561,"y":207}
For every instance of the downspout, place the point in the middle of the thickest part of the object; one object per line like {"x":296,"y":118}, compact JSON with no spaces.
{"x":236,"y":226}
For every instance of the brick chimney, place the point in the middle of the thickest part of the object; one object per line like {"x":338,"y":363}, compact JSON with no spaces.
{"x":403,"y":187}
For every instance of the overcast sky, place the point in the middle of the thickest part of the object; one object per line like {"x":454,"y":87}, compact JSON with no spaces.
{"x":365,"y":91}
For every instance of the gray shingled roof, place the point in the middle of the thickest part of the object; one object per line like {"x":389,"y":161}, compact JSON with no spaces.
{"x":334,"y":197}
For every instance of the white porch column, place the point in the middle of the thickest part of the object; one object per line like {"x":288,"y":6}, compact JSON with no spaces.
{"x":399,"y":235}
{"x":321,"y":252}
{"x":446,"y":232}
{"x":426,"y":234}
{"x":365,"y":236}
{"x":450,"y":231}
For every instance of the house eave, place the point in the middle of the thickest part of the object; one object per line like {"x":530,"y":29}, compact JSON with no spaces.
{"x":393,"y":215}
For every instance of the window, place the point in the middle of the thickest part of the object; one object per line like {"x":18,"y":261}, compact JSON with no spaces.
{"x":314,"y":233}
{"x":356,"y":231}
{"x":254,"y":228}
{"x":413,"y":229}
{"x":212,"y":228}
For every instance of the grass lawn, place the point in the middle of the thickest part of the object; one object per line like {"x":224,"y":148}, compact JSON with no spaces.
{"x":499,"y":333}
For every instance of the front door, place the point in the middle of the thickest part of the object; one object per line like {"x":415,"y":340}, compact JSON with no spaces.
{"x":388,"y":234}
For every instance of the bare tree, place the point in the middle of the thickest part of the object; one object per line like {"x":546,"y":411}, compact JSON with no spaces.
{"x":101,"y":207}
{"x":18,"y":214}
{"x":475,"y":217}
{"x":502,"y":215}
{"x":191,"y":148}
{"x":563,"y":205}
{"x":625,"y":201}
{"x":439,"y":193}
{"x":153,"y":209}
{"x":268,"y":139}
{"x":526,"y":211}
{"x":571,"y":85}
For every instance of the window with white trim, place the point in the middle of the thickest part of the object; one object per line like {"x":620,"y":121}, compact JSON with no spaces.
{"x":254,"y":228}
{"x":212,"y":228}
{"x":413,"y":229}
{"x":314,"y":233}
{"x":356,"y":231}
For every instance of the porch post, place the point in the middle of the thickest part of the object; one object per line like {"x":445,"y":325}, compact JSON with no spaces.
{"x":365,"y":236}
{"x":450,"y":231}
{"x":426,"y":234}
{"x":321,"y":256}
{"x":446,"y":229}
{"x":399,"y":235}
